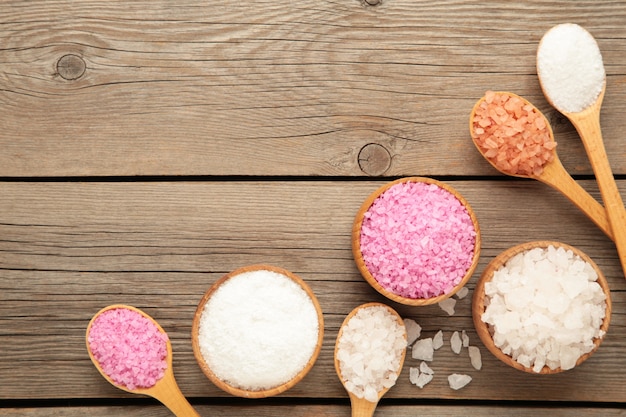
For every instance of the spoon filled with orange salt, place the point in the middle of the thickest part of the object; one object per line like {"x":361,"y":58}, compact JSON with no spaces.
{"x":133,"y":352}
{"x":517,"y":140}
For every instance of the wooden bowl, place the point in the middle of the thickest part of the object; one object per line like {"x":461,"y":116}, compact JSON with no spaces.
{"x":360,"y":262}
{"x":478,"y":302}
{"x":225,"y":386}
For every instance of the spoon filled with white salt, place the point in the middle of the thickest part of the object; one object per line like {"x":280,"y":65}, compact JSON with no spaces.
{"x":369,"y":354}
{"x":572,"y":77}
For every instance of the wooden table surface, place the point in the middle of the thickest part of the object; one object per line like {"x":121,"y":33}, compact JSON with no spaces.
{"x":147,"y":148}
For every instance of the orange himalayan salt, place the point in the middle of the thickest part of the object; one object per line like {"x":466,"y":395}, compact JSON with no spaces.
{"x":512,"y":134}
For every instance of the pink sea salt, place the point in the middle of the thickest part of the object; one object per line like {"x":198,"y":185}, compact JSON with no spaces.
{"x":130,"y":349}
{"x":417,"y":240}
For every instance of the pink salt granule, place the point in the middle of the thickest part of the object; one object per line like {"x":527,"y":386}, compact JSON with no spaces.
{"x":130,"y":349}
{"x":417,"y":240}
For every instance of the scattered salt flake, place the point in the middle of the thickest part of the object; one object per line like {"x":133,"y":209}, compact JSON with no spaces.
{"x":455,"y":343}
{"x":465,"y":338}
{"x":438,"y":340}
{"x":458,"y":381}
{"x":423,"y":379}
{"x":462,"y":293}
{"x":447,"y":305}
{"x":414,"y":373}
{"x":423,"y":350}
{"x":413,"y":330}
{"x":424,"y":368}
{"x":475,"y":358}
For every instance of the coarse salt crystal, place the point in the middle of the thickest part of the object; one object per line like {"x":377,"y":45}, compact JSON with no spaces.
{"x":447,"y":305}
{"x":462,"y":293}
{"x":417,"y":240}
{"x":458,"y":381}
{"x":456,"y":343}
{"x":570,"y":67}
{"x":475,"y":357}
{"x":438,"y":340}
{"x":413,"y":330}
{"x":423,"y":349}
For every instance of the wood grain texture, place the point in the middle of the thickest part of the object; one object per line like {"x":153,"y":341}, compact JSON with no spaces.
{"x":313,"y":411}
{"x":69,"y":249}
{"x":278,"y":88}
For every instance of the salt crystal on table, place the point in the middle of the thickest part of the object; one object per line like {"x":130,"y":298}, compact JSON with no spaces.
{"x":456,"y":343}
{"x":414,"y":374}
{"x":465,"y":338}
{"x":413,"y":330}
{"x":423,"y":379}
{"x":423,"y":350}
{"x":447,"y":305}
{"x":438,"y":340}
{"x":462,"y":293}
{"x":458,"y":381}
{"x":424,"y":368}
{"x":475,"y":357}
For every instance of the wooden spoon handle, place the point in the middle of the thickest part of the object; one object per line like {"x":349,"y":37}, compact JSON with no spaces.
{"x":168,"y":392}
{"x":361,"y":407}
{"x":587,"y":123}
{"x":557,"y":177}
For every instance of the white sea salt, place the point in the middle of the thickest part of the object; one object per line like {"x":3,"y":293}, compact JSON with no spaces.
{"x":413,"y":330}
{"x":570,"y":68}
{"x":545,"y":307}
{"x":458,"y":381}
{"x":475,"y":357}
{"x":462,"y":293}
{"x":465,"y":338}
{"x":447,"y":305}
{"x":456,"y":343}
{"x":438,"y":340}
{"x":419,"y":378}
{"x":423,"y":349}
{"x":424,"y":368}
{"x":369,"y":350}
{"x":258,"y":330}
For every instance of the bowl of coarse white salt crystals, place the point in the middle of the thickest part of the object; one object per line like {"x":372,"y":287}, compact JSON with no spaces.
{"x":542,"y":307}
{"x":257,"y":331}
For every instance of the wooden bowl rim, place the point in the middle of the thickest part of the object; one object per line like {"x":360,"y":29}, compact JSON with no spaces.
{"x":239,"y":392}
{"x":478,"y":302}
{"x":360,"y":262}
{"x":340,"y":333}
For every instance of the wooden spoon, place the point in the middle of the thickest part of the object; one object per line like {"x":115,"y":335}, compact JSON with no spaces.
{"x":360,"y":406}
{"x":587,"y":124}
{"x":166,"y":389}
{"x":554,"y":175}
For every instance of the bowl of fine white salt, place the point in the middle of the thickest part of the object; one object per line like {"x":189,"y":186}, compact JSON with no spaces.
{"x":542,"y":307}
{"x":257,"y":331}
{"x":416,"y":241}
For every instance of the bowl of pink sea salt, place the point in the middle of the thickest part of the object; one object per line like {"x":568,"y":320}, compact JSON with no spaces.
{"x":542,"y":307}
{"x":416,"y":240}
{"x":257,"y":331}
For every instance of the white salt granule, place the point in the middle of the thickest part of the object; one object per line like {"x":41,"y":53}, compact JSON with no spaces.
{"x":258,"y":330}
{"x":545,"y":307}
{"x":419,"y":378}
{"x":447,"y":305}
{"x":475,"y":357}
{"x":570,"y":68}
{"x":458,"y":381}
{"x":456,"y":343}
{"x":424,"y":368}
{"x":413,"y":330}
{"x":369,"y":350}
{"x":462,"y":293}
{"x":438,"y":340}
{"x":465,"y":338}
{"x":423,"y":349}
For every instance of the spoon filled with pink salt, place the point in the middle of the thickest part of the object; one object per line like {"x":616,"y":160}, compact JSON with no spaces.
{"x":517,"y":140}
{"x":133,"y":352}
{"x":572,"y":77}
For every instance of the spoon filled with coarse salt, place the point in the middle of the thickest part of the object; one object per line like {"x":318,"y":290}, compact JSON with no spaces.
{"x":132,"y":352}
{"x":369,"y":354}
{"x":517,"y":140}
{"x":572,"y":77}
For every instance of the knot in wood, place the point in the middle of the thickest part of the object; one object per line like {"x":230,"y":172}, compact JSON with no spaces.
{"x":372,"y":2}
{"x":374,"y":159}
{"x":71,"y":67}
